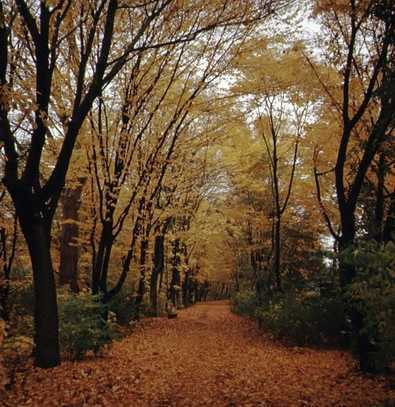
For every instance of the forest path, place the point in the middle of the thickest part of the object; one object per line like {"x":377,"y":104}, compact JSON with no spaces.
{"x":205,"y":357}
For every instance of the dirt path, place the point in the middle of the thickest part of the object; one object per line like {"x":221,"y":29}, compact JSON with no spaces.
{"x":205,"y":357}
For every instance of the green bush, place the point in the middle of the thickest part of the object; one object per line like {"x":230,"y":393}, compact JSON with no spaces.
{"x":82,"y":325}
{"x":21,"y":295}
{"x":373,"y":294}
{"x":244,"y":303}
{"x":20,"y":304}
{"x":305,"y":318}
{"x":122,"y":305}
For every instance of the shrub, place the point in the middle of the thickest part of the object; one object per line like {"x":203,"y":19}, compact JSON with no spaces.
{"x":373,"y":294}
{"x":122,"y":305}
{"x":303,"y":318}
{"x":82,"y":324}
{"x":20,"y":301}
{"x":244,"y":303}
{"x":15,"y":351}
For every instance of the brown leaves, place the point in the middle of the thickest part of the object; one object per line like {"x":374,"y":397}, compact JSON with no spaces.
{"x":205,"y":357}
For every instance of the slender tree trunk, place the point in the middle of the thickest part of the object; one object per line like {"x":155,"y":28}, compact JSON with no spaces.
{"x":186,"y":289}
{"x":157,"y":271}
{"x":175,"y":279}
{"x":236,"y":279}
{"x":256,"y":267}
{"x":142,"y":279}
{"x":269,"y":260}
{"x":103,"y":255}
{"x":380,"y":200}
{"x":69,"y":248}
{"x":276,"y":270}
{"x":205,"y":290}
{"x":389,"y":227}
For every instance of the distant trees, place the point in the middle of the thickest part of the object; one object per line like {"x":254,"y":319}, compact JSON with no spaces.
{"x":280,"y":99}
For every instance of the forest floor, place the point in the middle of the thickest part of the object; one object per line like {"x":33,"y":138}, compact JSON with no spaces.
{"x":205,"y":357}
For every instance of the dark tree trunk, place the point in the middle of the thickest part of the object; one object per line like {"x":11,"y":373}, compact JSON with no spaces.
{"x":260,"y":288}
{"x":69,"y":248}
{"x":36,"y":224}
{"x":45,"y":310}
{"x":36,"y":204}
{"x":186,"y":286}
{"x":205,"y":290}
{"x":157,"y":271}
{"x":196,"y":291}
{"x":389,"y":227}
{"x":175,"y":277}
{"x":276,"y":270}
{"x":347,"y":271}
{"x":256,"y":265}
{"x":142,"y":279}
{"x":103,"y":255}
{"x":364,"y":345}
{"x":380,"y":200}
{"x":236,"y":276}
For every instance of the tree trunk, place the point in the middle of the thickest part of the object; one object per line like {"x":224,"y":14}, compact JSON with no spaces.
{"x":100,"y":268}
{"x":389,"y":227}
{"x":35,"y":224}
{"x":347,"y":271}
{"x":45,"y":305}
{"x":157,"y":270}
{"x":205,"y":289}
{"x":69,"y":248}
{"x":380,"y":200}
{"x":186,"y":290}
{"x":175,"y":278}
{"x":276,"y":268}
{"x":141,"y":285}
{"x":364,"y":345}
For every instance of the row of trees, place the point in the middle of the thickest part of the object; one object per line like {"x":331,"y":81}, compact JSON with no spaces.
{"x":192,"y":141}
{"x":119,"y":84}
{"x":315,"y":179}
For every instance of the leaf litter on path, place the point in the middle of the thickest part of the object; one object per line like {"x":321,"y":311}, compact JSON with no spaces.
{"x":206,"y":357}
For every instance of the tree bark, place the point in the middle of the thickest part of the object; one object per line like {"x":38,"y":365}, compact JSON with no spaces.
{"x":389,"y":227}
{"x":142,"y":279}
{"x":175,"y":276}
{"x":103,"y":255}
{"x":276,"y":271}
{"x":69,"y":248}
{"x":380,"y":200}
{"x":37,"y":237}
{"x":186,"y":287}
{"x":157,"y":270}
{"x":364,"y":345}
